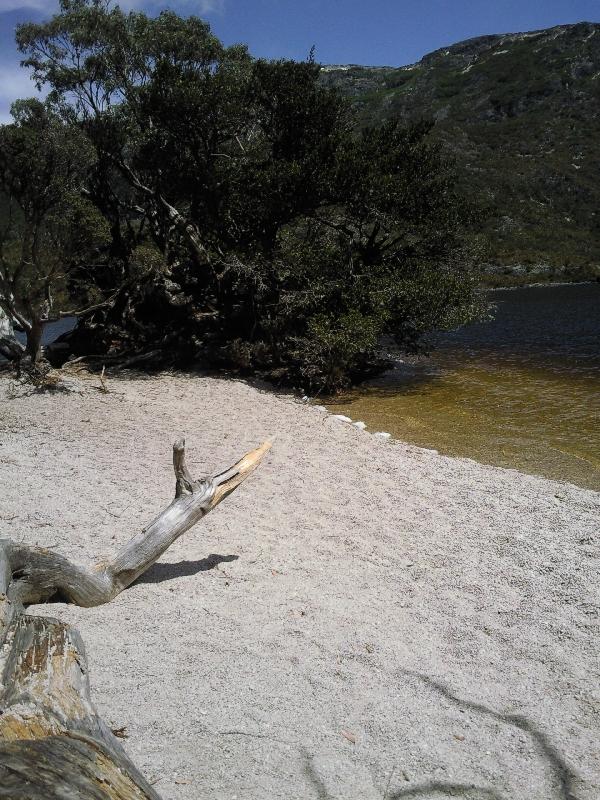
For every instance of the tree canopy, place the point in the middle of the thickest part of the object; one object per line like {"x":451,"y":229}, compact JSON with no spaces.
{"x":251,"y":225}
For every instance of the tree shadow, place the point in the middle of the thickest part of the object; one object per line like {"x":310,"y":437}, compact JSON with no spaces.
{"x":447,"y":789}
{"x":313,"y":777}
{"x":169,"y":572}
{"x":565,"y":777}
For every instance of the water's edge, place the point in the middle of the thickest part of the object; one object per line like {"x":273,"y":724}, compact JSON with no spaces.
{"x":521,"y":391}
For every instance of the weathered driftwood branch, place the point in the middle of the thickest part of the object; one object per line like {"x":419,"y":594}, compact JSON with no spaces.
{"x":53,"y":745}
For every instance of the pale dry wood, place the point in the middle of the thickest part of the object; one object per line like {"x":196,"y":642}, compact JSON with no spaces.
{"x":103,"y":385}
{"x":53,"y":745}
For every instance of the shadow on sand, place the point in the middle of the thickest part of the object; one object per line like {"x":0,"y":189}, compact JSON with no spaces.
{"x":169,"y":572}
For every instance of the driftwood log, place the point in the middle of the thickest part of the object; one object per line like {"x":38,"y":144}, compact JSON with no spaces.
{"x":53,"y":745}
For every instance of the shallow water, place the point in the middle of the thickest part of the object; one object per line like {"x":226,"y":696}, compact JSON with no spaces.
{"x":520,"y":391}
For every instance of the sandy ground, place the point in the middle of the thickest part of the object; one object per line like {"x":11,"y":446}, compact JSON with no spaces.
{"x":360,"y":620}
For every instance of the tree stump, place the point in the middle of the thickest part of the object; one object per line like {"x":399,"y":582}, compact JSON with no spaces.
{"x":53,"y":744}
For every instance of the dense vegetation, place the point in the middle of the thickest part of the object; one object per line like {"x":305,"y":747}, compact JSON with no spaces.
{"x":242,"y":221}
{"x":520,"y":113}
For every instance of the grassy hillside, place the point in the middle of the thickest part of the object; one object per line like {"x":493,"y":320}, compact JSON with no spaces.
{"x":521,"y":113}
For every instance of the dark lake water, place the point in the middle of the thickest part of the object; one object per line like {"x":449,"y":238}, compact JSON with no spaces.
{"x":53,"y":330}
{"x":522,"y":390}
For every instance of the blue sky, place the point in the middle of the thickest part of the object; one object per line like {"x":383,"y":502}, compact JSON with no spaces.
{"x":390,"y":32}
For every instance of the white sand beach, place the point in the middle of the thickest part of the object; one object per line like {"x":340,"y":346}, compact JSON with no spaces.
{"x":361,"y":619}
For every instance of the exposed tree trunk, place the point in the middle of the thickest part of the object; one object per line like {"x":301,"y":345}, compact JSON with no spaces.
{"x":10,"y":347}
{"x":184,"y":226}
{"x":34,"y":339}
{"x":53,"y":745}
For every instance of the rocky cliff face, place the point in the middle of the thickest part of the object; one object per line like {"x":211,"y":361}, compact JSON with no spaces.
{"x":521,"y":114}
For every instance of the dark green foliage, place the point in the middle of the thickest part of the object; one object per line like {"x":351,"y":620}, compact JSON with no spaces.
{"x":48,"y":229}
{"x":254,"y":227}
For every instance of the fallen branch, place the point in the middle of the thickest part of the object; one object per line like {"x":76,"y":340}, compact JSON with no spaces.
{"x":53,"y":745}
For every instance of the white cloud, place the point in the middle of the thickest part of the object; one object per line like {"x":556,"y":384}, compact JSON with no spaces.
{"x":14,"y":83}
{"x":189,"y":6}
{"x":37,"y":5}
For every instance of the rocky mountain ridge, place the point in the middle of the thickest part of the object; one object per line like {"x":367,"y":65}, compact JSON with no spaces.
{"x":520,"y":112}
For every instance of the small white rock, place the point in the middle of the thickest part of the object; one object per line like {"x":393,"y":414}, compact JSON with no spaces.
{"x":342,"y":417}
{"x":360,"y":425}
{"x":383,"y":435}
{"x":320,"y":408}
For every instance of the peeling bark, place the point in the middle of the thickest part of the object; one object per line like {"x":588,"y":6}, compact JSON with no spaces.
{"x":53,"y":745}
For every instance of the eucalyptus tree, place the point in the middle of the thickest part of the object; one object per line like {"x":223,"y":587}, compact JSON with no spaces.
{"x":47,"y":227}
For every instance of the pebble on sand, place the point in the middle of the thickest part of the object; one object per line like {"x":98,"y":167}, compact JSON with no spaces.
{"x":360,"y":425}
{"x":383,"y":435}
{"x":341,"y":417}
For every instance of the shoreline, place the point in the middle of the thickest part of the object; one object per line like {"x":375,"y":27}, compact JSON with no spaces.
{"x":441,"y":451}
{"x":361,"y":615}
{"x":549,"y":284}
